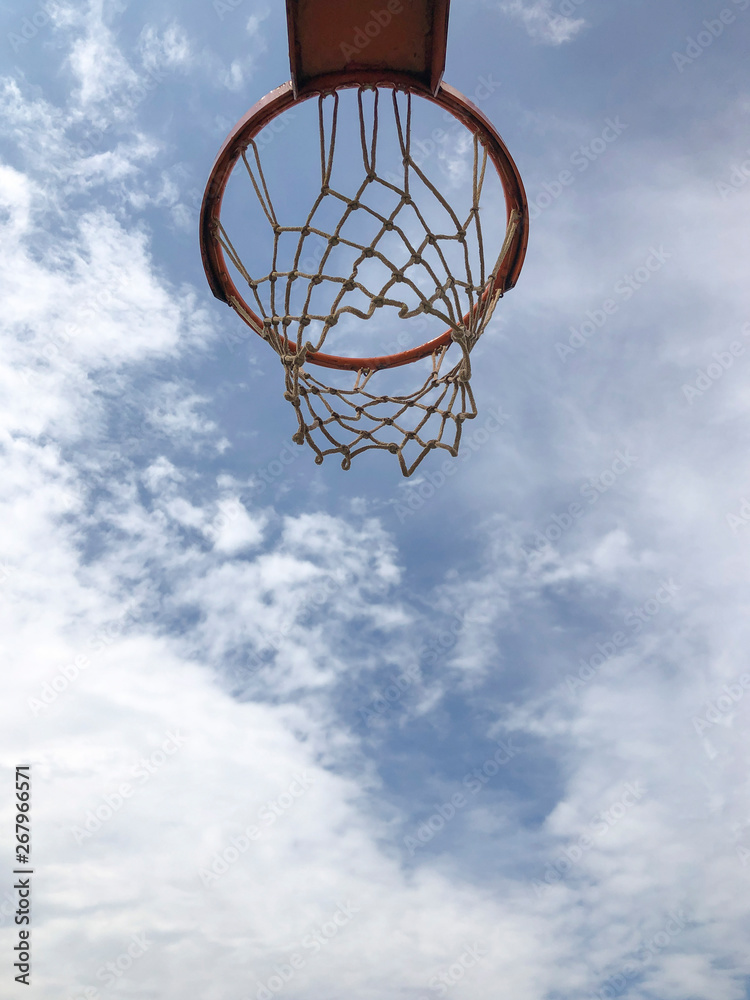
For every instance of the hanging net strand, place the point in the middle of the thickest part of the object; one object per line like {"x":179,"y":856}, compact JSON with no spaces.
{"x":349,"y":421}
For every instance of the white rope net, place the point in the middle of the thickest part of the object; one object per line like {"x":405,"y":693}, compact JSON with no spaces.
{"x":420,"y":281}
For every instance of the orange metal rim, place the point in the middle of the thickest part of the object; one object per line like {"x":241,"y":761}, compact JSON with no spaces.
{"x":282,"y":99}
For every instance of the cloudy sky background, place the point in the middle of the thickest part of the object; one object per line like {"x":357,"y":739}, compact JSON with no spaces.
{"x":220,"y":641}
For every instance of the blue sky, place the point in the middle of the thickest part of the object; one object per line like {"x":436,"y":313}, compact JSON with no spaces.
{"x":305,"y":733}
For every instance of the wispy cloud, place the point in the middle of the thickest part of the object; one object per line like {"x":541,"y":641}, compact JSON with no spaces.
{"x":169,"y":49}
{"x":542,"y":22}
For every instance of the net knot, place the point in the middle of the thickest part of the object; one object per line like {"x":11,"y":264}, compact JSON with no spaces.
{"x":295,"y":360}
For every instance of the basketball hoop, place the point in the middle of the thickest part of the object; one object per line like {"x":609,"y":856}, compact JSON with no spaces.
{"x":417,"y":279}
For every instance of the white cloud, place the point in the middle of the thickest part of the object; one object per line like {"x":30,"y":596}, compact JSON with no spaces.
{"x":542,"y":22}
{"x":176,"y":412}
{"x":236,"y":76}
{"x":103,"y":73}
{"x":168,"y":50}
